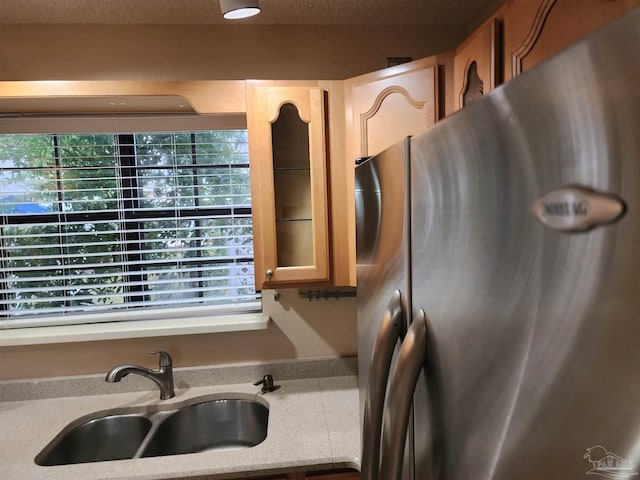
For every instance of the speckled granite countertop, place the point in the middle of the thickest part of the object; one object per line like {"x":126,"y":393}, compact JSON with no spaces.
{"x":313,"y":424}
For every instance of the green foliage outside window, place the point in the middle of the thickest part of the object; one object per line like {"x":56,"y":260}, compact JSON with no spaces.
{"x":95,"y":222}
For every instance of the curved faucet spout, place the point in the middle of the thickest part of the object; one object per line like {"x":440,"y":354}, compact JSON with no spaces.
{"x":163,"y":377}
{"x":116,"y":373}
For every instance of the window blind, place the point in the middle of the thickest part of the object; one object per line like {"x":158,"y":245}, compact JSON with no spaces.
{"x":93,"y":224}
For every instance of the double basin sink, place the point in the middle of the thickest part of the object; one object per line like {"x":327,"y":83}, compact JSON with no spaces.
{"x":198,"y":424}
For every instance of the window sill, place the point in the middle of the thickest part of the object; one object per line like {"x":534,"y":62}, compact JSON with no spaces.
{"x":134,"y":329}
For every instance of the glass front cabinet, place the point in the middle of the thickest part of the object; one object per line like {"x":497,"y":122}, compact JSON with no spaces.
{"x":287,"y":151}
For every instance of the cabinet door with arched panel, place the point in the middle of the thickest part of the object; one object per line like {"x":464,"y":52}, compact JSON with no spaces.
{"x":388,"y":105}
{"x":535,"y":30}
{"x":287,"y":152}
{"x":477,"y":64}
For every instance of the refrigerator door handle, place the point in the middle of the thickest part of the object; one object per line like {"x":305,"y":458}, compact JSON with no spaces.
{"x":391,"y":329}
{"x":397,"y":408}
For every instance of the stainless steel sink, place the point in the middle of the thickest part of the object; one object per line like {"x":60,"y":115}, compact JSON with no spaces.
{"x":199,"y":424}
{"x":113,"y":437}
{"x":219,"y":424}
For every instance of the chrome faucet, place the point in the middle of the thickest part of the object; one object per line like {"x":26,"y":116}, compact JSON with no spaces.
{"x":163,"y":377}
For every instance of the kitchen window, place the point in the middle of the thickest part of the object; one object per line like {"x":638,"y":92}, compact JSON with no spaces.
{"x":117,"y":226}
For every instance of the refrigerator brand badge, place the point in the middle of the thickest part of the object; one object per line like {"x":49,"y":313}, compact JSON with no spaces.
{"x":607,"y":464}
{"x":576,"y":209}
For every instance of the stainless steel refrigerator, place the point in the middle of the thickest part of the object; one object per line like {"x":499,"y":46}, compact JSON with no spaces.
{"x":498,"y":263}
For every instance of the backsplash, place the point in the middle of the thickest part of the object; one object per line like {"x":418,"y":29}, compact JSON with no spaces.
{"x":188,"y":377}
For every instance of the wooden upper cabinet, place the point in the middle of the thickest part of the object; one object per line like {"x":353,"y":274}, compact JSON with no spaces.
{"x":381,"y":109}
{"x":287,"y":153}
{"x":391,"y":104}
{"x":477,"y":64}
{"x":537,"y":30}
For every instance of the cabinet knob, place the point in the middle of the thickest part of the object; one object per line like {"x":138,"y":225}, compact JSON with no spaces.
{"x":269,"y":274}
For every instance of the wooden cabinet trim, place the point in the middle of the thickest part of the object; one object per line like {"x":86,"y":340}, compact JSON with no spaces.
{"x":532,"y":37}
{"x":483,"y":47}
{"x":205,"y":96}
{"x":366,"y":116}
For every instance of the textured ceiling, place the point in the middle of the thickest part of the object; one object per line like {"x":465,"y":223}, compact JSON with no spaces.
{"x":286,"y":12}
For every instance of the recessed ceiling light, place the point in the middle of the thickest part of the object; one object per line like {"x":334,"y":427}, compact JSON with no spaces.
{"x":236,"y":9}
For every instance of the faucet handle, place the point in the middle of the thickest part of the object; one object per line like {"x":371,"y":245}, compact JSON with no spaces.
{"x":165,"y":358}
